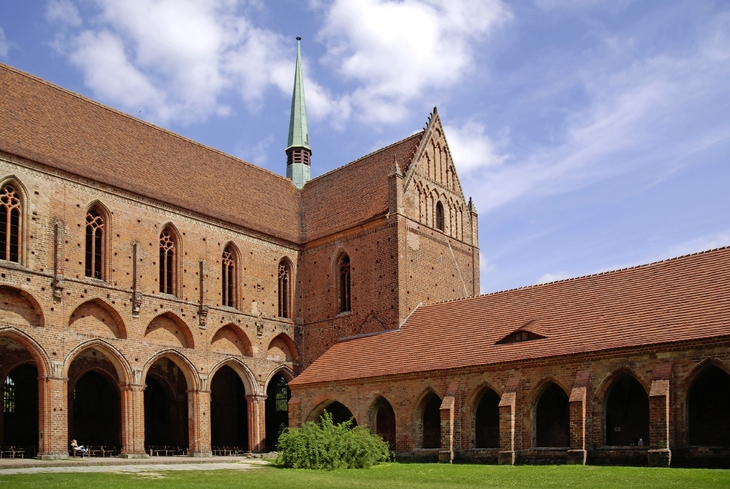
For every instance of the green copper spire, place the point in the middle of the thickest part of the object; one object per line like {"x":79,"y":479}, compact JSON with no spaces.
{"x":298,"y":151}
{"x":298,"y":132}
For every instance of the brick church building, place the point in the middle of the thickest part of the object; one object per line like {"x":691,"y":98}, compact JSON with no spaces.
{"x":159,"y":296}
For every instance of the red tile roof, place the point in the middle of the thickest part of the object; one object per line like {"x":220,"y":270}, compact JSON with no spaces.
{"x":681,"y":299}
{"x":354,"y":193}
{"x":53,"y":126}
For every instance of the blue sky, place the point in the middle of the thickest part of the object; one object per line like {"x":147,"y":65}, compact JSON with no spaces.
{"x":592,"y":135}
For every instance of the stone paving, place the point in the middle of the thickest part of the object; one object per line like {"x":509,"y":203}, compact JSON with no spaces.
{"x":148,"y":466}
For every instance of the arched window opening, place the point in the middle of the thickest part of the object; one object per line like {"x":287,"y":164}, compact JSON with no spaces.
{"x":552,"y":416}
{"x":166,"y":409}
{"x":627,"y":413}
{"x":20,"y":409}
{"x":228,"y":413}
{"x":344,"y":272}
{"x":284,"y":289}
{"x":487,"y":421}
{"x":10,"y":224}
{"x":96,"y":411}
{"x":228,"y":277}
{"x":168,"y":250}
{"x":385,"y":422}
{"x":432,"y":422}
{"x":277,"y":409}
{"x":95,"y":243}
{"x":340,"y":414}
{"x":439,"y":216}
{"x":708,"y":405}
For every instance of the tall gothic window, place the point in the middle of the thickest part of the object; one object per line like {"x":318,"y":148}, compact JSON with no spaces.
{"x":284,"y":289}
{"x":168,"y":251}
{"x":10,"y":224}
{"x":344,"y":272}
{"x":439,"y":216}
{"x":228,"y":277}
{"x":95,"y":228}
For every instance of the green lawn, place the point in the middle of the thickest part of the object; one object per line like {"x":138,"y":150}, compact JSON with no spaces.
{"x":388,"y":476}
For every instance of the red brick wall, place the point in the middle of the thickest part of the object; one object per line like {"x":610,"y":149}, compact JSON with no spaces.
{"x":405,"y":393}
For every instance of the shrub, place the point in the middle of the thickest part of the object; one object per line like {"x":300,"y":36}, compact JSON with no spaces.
{"x":331,"y":446}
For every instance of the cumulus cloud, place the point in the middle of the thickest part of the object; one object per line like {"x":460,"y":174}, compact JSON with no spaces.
{"x":393,"y":51}
{"x":172,"y":59}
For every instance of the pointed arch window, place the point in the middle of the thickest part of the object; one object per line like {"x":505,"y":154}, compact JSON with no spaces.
{"x":439,"y":216}
{"x":95,"y":253}
{"x":10,"y":224}
{"x":228,"y":277}
{"x":344,"y":287}
{"x":168,"y":261}
{"x":284,"y":289}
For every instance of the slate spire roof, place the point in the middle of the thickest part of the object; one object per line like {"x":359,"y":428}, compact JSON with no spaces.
{"x":298,"y":131}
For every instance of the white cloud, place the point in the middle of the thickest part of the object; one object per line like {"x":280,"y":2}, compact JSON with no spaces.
{"x":173,"y":59}
{"x":552,"y":277}
{"x":258,"y":154}
{"x":472,"y":148}
{"x":63,"y":11}
{"x":634,"y":117}
{"x":108,"y":71}
{"x":4,"y":44}
{"x":393,"y":50}
{"x":702,"y":243}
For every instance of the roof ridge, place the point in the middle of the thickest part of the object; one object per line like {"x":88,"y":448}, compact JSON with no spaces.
{"x":135,"y":119}
{"x":580,"y":277}
{"x":367,"y":155}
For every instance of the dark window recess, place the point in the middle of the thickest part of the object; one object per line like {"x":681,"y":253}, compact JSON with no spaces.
{"x":345,"y":302}
{"x":94,"y":244}
{"x":439,"y":216}
{"x":228,"y":275}
{"x":167,"y":262}
{"x":284,"y":289}
{"x":519,"y":336}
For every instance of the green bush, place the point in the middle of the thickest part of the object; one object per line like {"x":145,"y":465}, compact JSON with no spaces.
{"x":331,"y":446}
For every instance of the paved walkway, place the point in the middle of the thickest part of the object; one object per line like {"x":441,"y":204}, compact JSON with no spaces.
{"x":147,"y":465}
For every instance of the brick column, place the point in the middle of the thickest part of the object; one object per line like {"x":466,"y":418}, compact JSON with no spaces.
{"x":199,"y":423}
{"x":659,"y":454}
{"x":295,"y":412}
{"x":577,"y":454}
{"x":507,"y":416}
{"x":53,"y":439}
{"x":133,"y":420}
{"x":256,"y":422}
{"x":446,"y":453}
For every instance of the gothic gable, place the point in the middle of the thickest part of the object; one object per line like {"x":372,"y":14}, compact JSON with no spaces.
{"x":433,"y":192}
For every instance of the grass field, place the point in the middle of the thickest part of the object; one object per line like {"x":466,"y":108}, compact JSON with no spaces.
{"x":387,"y":476}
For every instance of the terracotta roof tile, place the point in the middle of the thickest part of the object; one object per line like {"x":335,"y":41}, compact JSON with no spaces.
{"x":681,"y":299}
{"x":354,"y":193}
{"x":61,"y":129}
